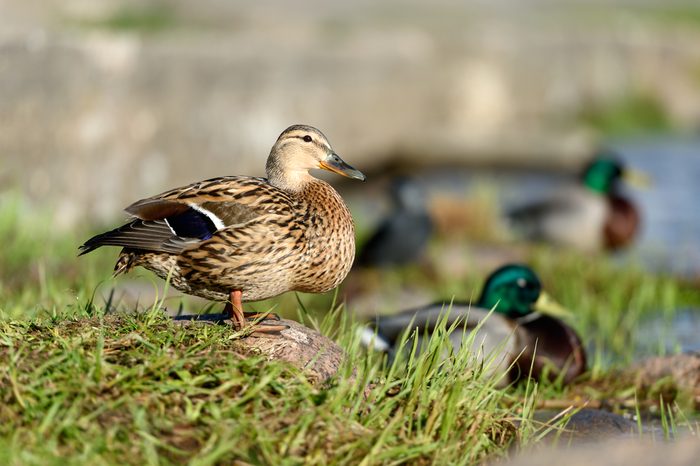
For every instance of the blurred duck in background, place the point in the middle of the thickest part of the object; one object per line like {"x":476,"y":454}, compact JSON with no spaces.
{"x":403,"y":236}
{"x":521,"y":336}
{"x":591,"y":216}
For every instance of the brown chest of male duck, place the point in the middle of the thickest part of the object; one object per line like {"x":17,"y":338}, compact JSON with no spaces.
{"x":243,"y":238}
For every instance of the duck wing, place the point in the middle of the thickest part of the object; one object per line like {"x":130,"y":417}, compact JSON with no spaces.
{"x":181,"y":218}
{"x":391,"y":327}
{"x":531,"y":220}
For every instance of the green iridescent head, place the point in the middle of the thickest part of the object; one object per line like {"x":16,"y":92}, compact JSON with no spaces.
{"x":602,"y":173}
{"x":516,"y":291}
{"x":513,"y":289}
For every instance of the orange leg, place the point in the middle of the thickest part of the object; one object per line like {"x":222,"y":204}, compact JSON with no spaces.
{"x":240,"y":319}
{"x":234,"y":309}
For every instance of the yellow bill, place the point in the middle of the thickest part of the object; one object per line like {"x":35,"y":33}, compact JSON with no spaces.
{"x":545,"y":304}
{"x":636,"y":179}
{"x":337,"y":165}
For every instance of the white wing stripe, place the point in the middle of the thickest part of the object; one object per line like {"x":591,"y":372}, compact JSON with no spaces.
{"x":171,"y":228}
{"x":215,"y":220}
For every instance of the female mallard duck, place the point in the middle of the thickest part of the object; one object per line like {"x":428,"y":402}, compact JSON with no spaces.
{"x":241,"y":238}
{"x":522,"y":329}
{"x":402,"y":237}
{"x":592,"y":216}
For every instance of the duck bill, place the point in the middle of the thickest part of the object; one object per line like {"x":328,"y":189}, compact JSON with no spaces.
{"x":636,"y":179}
{"x":335,"y":164}
{"x":545,"y":304}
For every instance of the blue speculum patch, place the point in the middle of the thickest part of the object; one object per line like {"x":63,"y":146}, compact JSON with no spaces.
{"x":192,"y":224}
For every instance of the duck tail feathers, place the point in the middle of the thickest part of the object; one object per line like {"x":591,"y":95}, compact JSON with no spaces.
{"x":370,"y":339}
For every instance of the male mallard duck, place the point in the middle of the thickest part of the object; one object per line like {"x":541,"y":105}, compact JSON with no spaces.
{"x":522,"y":327}
{"x":592,"y":216}
{"x":402,"y":236}
{"x":241,"y":238}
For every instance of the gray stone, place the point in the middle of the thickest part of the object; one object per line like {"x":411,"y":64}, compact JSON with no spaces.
{"x":619,"y":452}
{"x":684,"y":369}
{"x":315,"y":355}
{"x":588,"y":425}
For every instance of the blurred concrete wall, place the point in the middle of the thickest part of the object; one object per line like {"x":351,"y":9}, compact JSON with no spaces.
{"x":105,"y":102}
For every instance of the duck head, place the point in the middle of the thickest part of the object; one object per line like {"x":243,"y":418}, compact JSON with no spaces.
{"x":603,"y":173}
{"x":516,"y":291}
{"x":301,"y":148}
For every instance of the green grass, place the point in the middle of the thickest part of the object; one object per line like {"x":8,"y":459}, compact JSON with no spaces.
{"x":611,"y":300}
{"x":100,"y":386}
{"x":139,"y":389}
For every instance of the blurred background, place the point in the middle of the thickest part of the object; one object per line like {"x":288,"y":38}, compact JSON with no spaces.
{"x":484,"y":105}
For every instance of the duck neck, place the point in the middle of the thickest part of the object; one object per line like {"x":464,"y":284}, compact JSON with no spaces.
{"x":503,"y":304}
{"x":293,"y":181}
{"x":527,"y":318}
{"x":598,"y":186}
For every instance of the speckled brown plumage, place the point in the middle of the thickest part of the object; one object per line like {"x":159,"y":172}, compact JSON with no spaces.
{"x":305,"y":243}
{"x":259,"y":236}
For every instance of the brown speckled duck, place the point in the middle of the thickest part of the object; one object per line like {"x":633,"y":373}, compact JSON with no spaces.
{"x":241,"y":238}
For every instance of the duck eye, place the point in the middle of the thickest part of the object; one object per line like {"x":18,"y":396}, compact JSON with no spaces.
{"x":522,"y":283}
{"x":307,"y":138}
